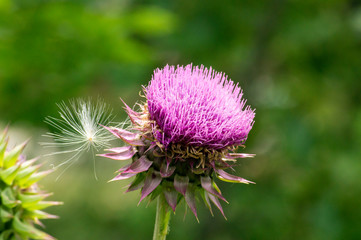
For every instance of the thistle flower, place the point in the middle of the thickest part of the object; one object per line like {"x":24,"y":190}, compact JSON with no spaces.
{"x":185,"y":134}
{"x":21,"y":199}
{"x":79,"y":128}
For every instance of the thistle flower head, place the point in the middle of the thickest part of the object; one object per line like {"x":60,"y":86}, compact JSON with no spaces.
{"x":79,"y":128}
{"x":197,"y":106}
{"x":21,"y":199}
{"x":184,"y":136}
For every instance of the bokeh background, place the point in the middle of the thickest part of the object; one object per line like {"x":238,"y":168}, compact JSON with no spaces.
{"x":299,"y":63}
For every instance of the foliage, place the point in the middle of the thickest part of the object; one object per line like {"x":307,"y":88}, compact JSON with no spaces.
{"x":21,"y":200}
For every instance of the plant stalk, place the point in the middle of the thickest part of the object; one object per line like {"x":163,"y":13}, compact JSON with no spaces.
{"x":161,"y":227}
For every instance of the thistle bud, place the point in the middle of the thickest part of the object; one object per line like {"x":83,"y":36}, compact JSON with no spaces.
{"x":21,"y":199}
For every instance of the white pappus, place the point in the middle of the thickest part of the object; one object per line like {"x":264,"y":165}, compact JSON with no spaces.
{"x":79,"y":129}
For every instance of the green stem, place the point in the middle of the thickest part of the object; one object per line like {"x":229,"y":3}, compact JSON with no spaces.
{"x":161,"y":227}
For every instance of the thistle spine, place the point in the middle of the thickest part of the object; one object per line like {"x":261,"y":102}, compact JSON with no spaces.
{"x":21,"y":199}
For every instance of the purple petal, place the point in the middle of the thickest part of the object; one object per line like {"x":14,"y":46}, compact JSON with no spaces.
{"x":121,"y":149}
{"x":122,"y":176}
{"x":141,"y":165}
{"x":126,"y":136}
{"x":208,"y":109}
{"x":240,"y":155}
{"x":166,"y":171}
{"x":207,"y":184}
{"x":120,"y":153}
{"x":171,"y":195}
{"x":217,"y":203}
{"x":120,"y":133}
{"x":152,"y":181}
{"x":124,"y":168}
{"x":181,"y":183}
{"x":133,"y":115}
{"x":191,"y":201}
{"x":221,"y":164}
{"x":128,"y":108}
{"x":224,"y":176}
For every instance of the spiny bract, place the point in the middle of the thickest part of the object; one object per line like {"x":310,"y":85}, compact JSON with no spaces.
{"x":21,"y":200}
{"x":185,"y":135}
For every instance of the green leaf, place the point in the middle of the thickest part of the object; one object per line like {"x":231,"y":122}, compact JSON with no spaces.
{"x":42,"y":204}
{"x":27,"y":230}
{"x":9,"y":174}
{"x":37,"y":214}
{"x":137,"y":183}
{"x":8,"y":198}
{"x":155,"y":193}
{"x":3,"y":135}
{"x":3,"y":145}
{"x":28,"y":200}
{"x":28,"y":163}
{"x":12,"y":156}
{"x":35,"y":177}
{"x":5,"y":214}
{"x":216,"y":187}
{"x":6,"y":234}
{"x":25,"y":173}
{"x":15,"y":237}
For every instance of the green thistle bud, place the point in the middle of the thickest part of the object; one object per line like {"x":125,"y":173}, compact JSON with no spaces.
{"x":21,"y":200}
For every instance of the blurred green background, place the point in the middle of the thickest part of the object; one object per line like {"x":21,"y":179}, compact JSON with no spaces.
{"x":299,"y":63}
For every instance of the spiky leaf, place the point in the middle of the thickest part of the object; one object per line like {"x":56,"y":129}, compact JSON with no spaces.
{"x":152,"y":181}
{"x":27,"y":230}
{"x":8,"y":198}
{"x":9,"y":174}
{"x":5,"y":214}
{"x":12,"y":156}
{"x":20,"y":199}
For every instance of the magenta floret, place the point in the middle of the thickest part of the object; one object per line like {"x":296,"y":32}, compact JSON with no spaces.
{"x":197,"y":106}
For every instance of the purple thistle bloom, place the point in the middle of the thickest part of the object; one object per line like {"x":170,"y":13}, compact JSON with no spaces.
{"x":197,"y":106}
{"x":184,"y":135}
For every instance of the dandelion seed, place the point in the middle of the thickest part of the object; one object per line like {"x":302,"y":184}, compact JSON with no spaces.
{"x":79,"y":129}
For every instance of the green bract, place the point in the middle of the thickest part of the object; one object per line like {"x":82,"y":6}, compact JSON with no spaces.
{"x":21,"y":200}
